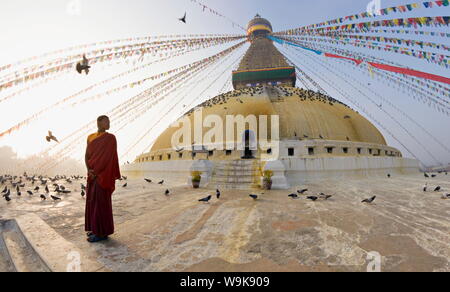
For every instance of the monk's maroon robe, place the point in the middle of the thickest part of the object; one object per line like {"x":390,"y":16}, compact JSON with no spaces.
{"x":103,"y":159}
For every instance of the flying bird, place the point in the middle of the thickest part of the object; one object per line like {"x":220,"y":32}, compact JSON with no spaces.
{"x":83,"y":66}
{"x":50,"y":137}
{"x":183,"y":19}
{"x":369,"y":201}
{"x":206,"y":200}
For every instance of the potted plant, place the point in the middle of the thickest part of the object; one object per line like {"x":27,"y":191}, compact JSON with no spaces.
{"x":267,"y":179}
{"x":196,"y":178}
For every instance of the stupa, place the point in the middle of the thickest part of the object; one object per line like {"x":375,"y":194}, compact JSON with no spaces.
{"x":297,"y":135}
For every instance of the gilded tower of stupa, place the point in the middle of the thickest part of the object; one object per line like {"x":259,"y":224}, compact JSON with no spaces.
{"x":263,"y":63}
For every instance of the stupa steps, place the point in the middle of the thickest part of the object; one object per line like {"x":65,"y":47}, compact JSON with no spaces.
{"x":242,"y":170}
{"x":223,"y":186}
{"x":240,"y":162}
{"x":236,"y":174}
{"x":250,"y":180}
{"x":235,"y":167}
{"x":245,"y":175}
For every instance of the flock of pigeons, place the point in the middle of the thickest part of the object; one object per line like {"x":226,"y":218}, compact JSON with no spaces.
{"x":325,"y":197}
{"x":320,"y":196}
{"x":39,"y":186}
{"x":444,"y":196}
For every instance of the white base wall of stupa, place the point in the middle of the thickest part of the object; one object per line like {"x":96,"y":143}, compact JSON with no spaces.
{"x":305,"y":170}
{"x":288,"y":172}
{"x":175,"y":171}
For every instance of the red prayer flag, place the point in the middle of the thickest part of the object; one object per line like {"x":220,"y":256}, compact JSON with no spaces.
{"x":342,"y":57}
{"x":411,"y":72}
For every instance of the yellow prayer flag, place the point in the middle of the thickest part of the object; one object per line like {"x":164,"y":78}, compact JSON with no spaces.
{"x":370,"y":70}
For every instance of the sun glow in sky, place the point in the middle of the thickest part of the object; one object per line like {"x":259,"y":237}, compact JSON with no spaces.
{"x":30,"y":28}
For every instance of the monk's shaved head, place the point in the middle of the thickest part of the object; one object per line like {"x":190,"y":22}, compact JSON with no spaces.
{"x":101,"y":118}
{"x":103,"y":123}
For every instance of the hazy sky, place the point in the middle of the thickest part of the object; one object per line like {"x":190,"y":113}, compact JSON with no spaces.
{"x":29,"y":28}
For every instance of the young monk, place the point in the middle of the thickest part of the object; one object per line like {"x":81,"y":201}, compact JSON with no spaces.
{"x":103,"y":170}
